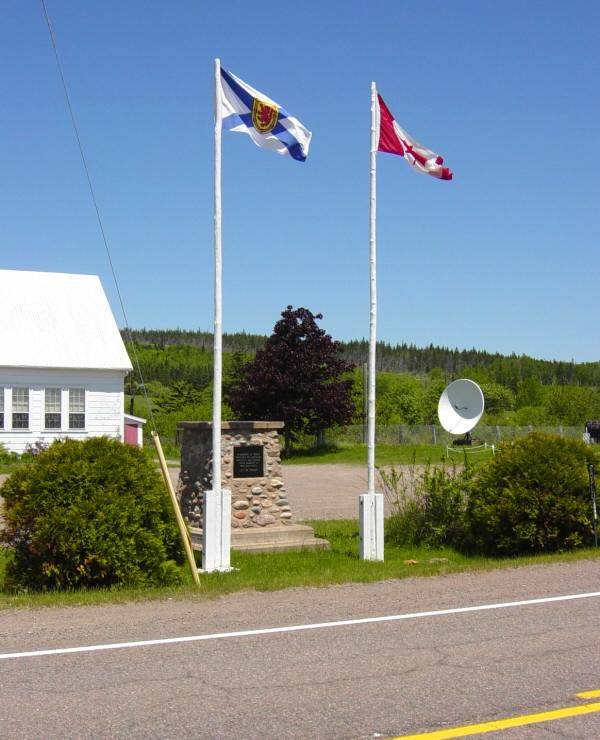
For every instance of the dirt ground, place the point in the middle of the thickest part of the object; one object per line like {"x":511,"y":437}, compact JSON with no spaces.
{"x":324,"y":491}
{"x":328,"y":491}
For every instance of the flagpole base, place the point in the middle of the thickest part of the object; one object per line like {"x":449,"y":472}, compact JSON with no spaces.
{"x":370,"y":526}
{"x":217,"y":570}
{"x":216,"y":532}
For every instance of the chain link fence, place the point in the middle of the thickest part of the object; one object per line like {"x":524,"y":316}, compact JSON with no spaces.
{"x":433,"y":434}
{"x":408,"y":434}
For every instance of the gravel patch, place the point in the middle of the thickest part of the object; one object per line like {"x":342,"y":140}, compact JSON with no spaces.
{"x":319,"y":491}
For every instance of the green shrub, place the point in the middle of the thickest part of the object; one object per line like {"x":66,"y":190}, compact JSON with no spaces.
{"x":532,"y":497}
{"x":427,"y":505}
{"x":90,"y":513}
{"x":403,"y":526}
{"x":6,"y":456}
{"x":445,"y":493}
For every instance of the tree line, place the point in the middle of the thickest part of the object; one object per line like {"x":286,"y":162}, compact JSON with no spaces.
{"x":507,"y":370}
{"x":313,"y":392}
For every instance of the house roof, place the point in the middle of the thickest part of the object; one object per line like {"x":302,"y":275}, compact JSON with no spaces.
{"x":52,"y":319}
{"x":135,"y":419}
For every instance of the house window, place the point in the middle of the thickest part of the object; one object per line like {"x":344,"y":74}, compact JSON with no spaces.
{"x":20,"y":408}
{"x":52,"y":418}
{"x":76,"y":408}
{"x":1,"y":408}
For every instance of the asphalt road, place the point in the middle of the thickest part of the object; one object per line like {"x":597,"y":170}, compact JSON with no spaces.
{"x":358,"y":681}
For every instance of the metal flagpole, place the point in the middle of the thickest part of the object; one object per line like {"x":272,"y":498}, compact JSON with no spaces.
{"x":216,"y":531}
{"x":371,"y":504}
{"x":373,"y":295}
{"x":218,"y":325}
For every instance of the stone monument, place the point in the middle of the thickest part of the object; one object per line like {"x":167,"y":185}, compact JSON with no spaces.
{"x":261,"y":516}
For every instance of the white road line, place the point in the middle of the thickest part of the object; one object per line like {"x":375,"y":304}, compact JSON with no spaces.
{"x":295,"y":628}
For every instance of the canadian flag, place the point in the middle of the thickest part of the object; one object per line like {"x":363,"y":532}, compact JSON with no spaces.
{"x":395,"y":140}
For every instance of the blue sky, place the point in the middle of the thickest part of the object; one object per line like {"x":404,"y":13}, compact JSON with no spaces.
{"x":503,"y":258}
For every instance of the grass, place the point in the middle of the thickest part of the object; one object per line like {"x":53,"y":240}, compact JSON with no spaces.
{"x":269,"y":572}
{"x":352,"y":454}
{"x":384,"y":455}
{"x":356,"y":454}
{"x":9,"y":466}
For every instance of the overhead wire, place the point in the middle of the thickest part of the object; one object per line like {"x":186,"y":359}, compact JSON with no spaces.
{"x":97,"y":210}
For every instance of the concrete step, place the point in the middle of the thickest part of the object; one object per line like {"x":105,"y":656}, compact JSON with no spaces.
{"x":270,"y":539}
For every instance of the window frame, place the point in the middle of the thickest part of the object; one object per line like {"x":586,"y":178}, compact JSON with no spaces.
{"x":20,"y":413}
{"x":53,"y":413}
{"x":81,"y":404}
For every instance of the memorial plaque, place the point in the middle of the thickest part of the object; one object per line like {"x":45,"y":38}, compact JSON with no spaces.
{"x":248,"y":461}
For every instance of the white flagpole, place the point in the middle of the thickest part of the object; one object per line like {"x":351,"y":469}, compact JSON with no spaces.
{"x":373,"y":295}
{"x":371,"y":504}
{"x":218,"y":324}
{"x":216,"y":531}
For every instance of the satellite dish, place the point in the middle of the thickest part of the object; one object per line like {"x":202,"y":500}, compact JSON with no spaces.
{"x":460,"y":406}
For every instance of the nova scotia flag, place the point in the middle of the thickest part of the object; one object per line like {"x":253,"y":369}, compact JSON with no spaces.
{"x":270,"y":126}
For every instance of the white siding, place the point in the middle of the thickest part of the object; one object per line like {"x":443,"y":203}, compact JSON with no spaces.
{"x":103,"y":404}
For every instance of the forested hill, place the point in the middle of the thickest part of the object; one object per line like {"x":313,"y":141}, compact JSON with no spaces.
{"x":239,"y":342}
{"x":508,"y":370}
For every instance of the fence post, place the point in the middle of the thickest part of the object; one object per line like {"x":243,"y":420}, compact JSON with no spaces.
{"x":498,"y":432}
{"x":560,"y":430}
{"x":433,"y":434}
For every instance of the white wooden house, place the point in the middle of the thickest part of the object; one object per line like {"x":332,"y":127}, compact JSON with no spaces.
{"x":62,"y":359}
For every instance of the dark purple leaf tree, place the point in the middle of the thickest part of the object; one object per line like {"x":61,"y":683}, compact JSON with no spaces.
{"x":297,"y":378}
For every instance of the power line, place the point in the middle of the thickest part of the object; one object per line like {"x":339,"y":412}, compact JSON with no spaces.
{"x":97,"y":209}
